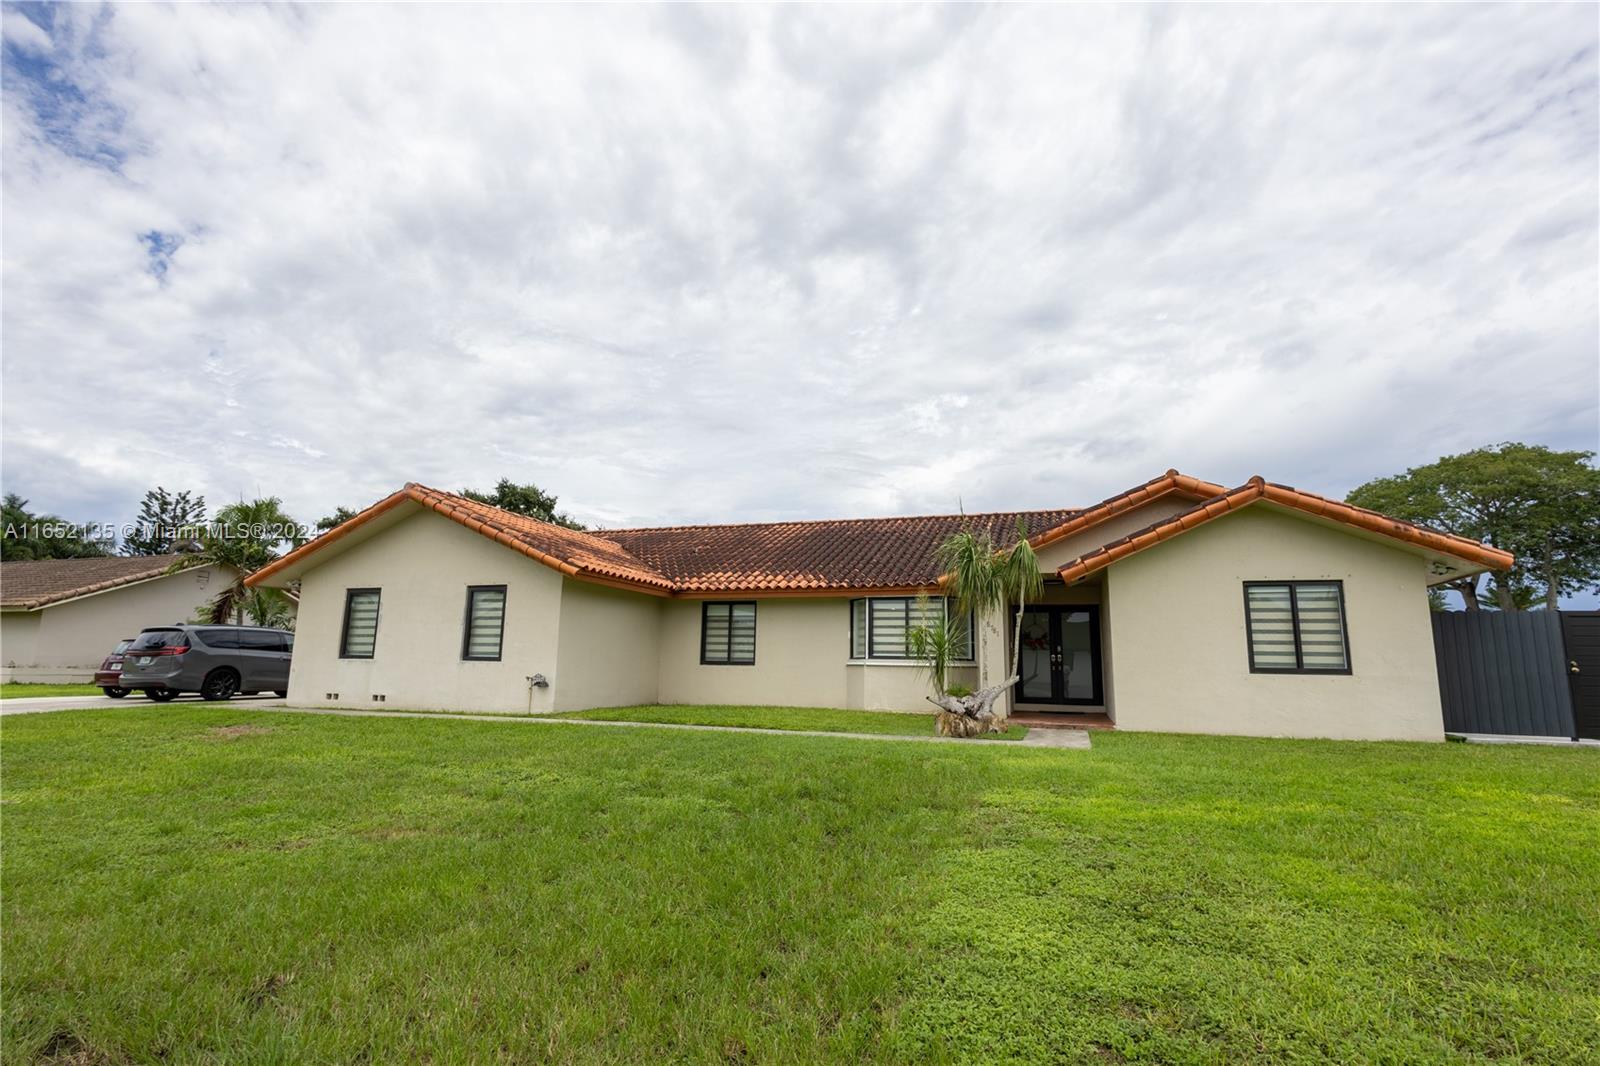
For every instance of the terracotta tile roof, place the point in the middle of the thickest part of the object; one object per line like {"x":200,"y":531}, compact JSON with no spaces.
{"x":1257,"y":489}
{"x":882,"y":555}
{"x":38,"y":583}
{"x":797,"y":558}
{"x":1154,"y":489}
{"x":842,"y":554}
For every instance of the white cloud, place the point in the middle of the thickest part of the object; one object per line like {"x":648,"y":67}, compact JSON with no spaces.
{"x":689,"y":264}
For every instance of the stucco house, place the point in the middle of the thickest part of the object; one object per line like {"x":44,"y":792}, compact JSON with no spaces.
{"x":60,"y":617}
{"x":1179,"y":605}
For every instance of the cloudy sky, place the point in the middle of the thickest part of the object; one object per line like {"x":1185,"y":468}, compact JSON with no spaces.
{"x":682,"y":265}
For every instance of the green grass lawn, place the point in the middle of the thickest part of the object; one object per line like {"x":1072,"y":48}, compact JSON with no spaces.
{"x":18,"y":690}
{"x":889,"y":723}
{"x":214,"y":884}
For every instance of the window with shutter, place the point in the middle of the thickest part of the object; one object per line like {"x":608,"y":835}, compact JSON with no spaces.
{"x":728,"y":634}
{"x":359,"y":637}
{"x":485,"y":624}
{"x":1296,"y":627}
{"x":880,"y":626}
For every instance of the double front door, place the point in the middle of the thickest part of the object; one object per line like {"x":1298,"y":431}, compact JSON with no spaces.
{"x":1058,"y":657}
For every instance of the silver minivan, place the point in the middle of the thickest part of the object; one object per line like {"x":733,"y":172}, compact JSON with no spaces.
{"x":216,"y":661}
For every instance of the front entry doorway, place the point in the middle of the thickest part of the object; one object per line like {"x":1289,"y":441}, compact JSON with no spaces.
{"x":1058,"y":658}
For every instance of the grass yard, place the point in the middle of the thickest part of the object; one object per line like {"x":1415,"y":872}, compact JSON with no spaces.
{"x":207,"y":883}
{"x":20,"y":690}
{"x":888,"y":723}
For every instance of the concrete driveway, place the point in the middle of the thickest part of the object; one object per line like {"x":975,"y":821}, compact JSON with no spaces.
{"x":41,"y":704}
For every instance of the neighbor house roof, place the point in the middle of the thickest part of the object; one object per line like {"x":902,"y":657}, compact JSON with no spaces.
{"x":31,"y":584}
{"x":1256,"y":490}
{"x":842,"y":556}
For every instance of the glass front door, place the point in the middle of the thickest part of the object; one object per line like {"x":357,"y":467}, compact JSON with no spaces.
{"x":1058,"y":658}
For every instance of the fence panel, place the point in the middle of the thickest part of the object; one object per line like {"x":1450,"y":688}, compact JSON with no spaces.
{"x":1503,"y":672}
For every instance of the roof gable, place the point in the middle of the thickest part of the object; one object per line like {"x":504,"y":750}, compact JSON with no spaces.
{"x":1478,"y":556}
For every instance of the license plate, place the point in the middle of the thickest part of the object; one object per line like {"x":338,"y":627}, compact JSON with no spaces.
{"x":143,"y":660}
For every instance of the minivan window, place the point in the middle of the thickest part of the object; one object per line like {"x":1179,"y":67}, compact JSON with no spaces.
{"x":262,"y":640}
{"x":218,"y":638}
{"x":157,"y":638}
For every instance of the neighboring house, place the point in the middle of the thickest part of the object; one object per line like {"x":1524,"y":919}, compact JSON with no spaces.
{"x":1180,"y":605}
{"x":60,"y":617}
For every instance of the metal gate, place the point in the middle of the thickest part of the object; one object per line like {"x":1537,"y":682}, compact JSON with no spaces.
{"x":1503,"y":672}
{"x":1582,"y":632}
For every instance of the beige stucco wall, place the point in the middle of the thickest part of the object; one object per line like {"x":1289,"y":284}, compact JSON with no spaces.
{"x":1176,"y":627}
{"x":66,"y":642}
{"x":802,"y":660}
{"x":610,"y":648}
{"x":423,"y":564}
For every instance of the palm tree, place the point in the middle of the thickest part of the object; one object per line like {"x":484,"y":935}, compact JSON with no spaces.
{"x":244,"y":536}
{"x":982,"y":578}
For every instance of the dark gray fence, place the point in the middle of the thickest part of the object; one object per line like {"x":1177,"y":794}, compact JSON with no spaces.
{"x":1503,"y":672}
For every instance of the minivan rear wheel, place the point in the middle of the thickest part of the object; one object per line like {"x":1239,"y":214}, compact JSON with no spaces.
{"x":220,"y":685}
{"x":160,"y":695}
{"x":113,"y":691}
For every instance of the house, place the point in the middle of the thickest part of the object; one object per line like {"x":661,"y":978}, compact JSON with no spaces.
{"x":1179,"y":605}
{"x":60,"y":617}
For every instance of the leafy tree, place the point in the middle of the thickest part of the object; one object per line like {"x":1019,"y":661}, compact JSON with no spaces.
{"x":1543,"y":506}
{"x":245,"y":536}
{"x":528,"y":500}
{"x":338,"y":518}
{"x":166,"y":523}
{"x":42,"y":536}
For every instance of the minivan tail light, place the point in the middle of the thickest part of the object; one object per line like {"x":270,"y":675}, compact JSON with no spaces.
{"x":166,"y":651}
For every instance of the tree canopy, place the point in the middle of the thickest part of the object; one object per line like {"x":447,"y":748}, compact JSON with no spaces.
{"x":528,"y":500}
{"x":246,"y":536}
{"x":42,"y":536}
{"x":167,"y":522}
{"x":339,"y":517}
{"x":1541,"y":505}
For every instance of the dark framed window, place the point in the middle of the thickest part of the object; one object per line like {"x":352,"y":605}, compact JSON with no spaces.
{"x":728,"y":634}
{"x":880,"y":626}
{"x":1296,"y":627}
{"x":359,"y":637}
{"x":485,"y":624}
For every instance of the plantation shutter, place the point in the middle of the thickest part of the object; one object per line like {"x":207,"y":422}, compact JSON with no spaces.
{"x":728,"y":633}
{"x":1271,"y":621}
{"x":888,"y":629}
{"x":963,"y":628}
{"x":360,"y":636}
{"x":1321,"y":623}
{"x":486,"y":616}
{"x":880,"y":627}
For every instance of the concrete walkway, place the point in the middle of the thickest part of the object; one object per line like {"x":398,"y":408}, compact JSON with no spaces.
{"x":1508,"y":738}
{"x":1036,"y":738}
{"x":1047,"y":738}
